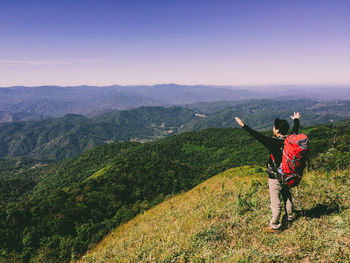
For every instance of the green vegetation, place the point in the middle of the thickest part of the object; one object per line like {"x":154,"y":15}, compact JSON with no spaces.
{"x":17,"y":176}
{"x":69,"y":136}
{"x":223,"y":220}
{"x":77,"y":202}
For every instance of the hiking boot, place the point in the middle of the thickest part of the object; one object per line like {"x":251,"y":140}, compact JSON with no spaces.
{"x":289,"y":223}
{"x":269,"y":229}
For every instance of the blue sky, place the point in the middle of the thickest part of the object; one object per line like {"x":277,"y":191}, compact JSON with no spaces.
{"x":242,"y":42}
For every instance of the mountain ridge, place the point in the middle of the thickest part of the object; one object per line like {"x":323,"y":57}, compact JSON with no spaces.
{"x":72,"y":134}
{"x":55,"y":101}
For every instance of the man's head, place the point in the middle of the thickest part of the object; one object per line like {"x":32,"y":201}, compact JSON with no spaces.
{"x":280,"y":127}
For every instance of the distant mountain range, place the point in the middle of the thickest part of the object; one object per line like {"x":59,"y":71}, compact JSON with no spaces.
{"x":36,"y":103}
{"x":68,"y":136}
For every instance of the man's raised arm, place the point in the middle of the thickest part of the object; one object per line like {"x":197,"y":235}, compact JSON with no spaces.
{"x":296,"y":117}
{"x":266,"y":141}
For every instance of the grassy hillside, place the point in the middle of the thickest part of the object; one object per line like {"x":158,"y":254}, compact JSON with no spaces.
{"x":75,"y":203}
{"x":222,"y":220}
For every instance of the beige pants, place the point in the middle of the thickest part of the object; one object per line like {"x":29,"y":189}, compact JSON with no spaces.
{"x":276,"y":189}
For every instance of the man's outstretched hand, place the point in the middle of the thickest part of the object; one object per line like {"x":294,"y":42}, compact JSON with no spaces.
{"x":239,"y":121}
{"x":296,"y":115}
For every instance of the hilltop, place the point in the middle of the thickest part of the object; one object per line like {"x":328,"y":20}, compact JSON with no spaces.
{"x":222,"y":220}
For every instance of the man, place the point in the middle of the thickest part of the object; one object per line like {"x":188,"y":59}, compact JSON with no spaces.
{"x":275,"y":146}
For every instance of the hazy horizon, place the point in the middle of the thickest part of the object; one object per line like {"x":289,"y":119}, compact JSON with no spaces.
{"x":248,"y":87}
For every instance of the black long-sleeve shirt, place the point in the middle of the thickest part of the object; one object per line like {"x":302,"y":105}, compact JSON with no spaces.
{"x":274,"y":144}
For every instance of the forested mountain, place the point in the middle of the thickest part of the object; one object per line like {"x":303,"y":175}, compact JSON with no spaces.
{"x":66,"y":137}
{"x":260,"y":114}
{"x":75,"y":203}
{"x":17,"y":177}
{"x":73,"y":134}
{"x":29,"y":103}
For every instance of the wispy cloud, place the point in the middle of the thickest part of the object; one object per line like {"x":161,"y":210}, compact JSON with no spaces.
{"x":48,"y":62}
{"x":27,"y":62}
{"x":90,"y":60}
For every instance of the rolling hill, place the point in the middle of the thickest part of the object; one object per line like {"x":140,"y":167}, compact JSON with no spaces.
{"x":69,"y":136}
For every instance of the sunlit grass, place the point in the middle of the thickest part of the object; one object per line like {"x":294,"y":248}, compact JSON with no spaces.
{"x":222,"y":220}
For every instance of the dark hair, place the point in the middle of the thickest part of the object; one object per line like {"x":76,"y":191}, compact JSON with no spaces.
{"x":282,"y":126}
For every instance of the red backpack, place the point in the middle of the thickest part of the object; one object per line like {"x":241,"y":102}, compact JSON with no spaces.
{"x":295,"y":152}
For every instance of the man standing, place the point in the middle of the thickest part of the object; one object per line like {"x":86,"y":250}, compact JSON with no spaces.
{"x":275,"y":146}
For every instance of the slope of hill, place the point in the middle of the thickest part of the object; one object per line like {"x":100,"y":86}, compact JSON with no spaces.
{"x":215,"y":149}
{"x":69,"y":136}
{"x":77,"y":202}
{"x":203,"y":154}
{"x":222,"y":220}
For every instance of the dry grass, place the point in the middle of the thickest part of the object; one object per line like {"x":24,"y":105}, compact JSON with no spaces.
{"x":222,"y":220}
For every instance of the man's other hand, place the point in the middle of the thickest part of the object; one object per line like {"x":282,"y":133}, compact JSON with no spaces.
{"x":296,"y":115}
{"x":239,"y":121}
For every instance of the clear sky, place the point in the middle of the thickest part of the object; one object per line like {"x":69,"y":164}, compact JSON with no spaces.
{"x":222,"y":42}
